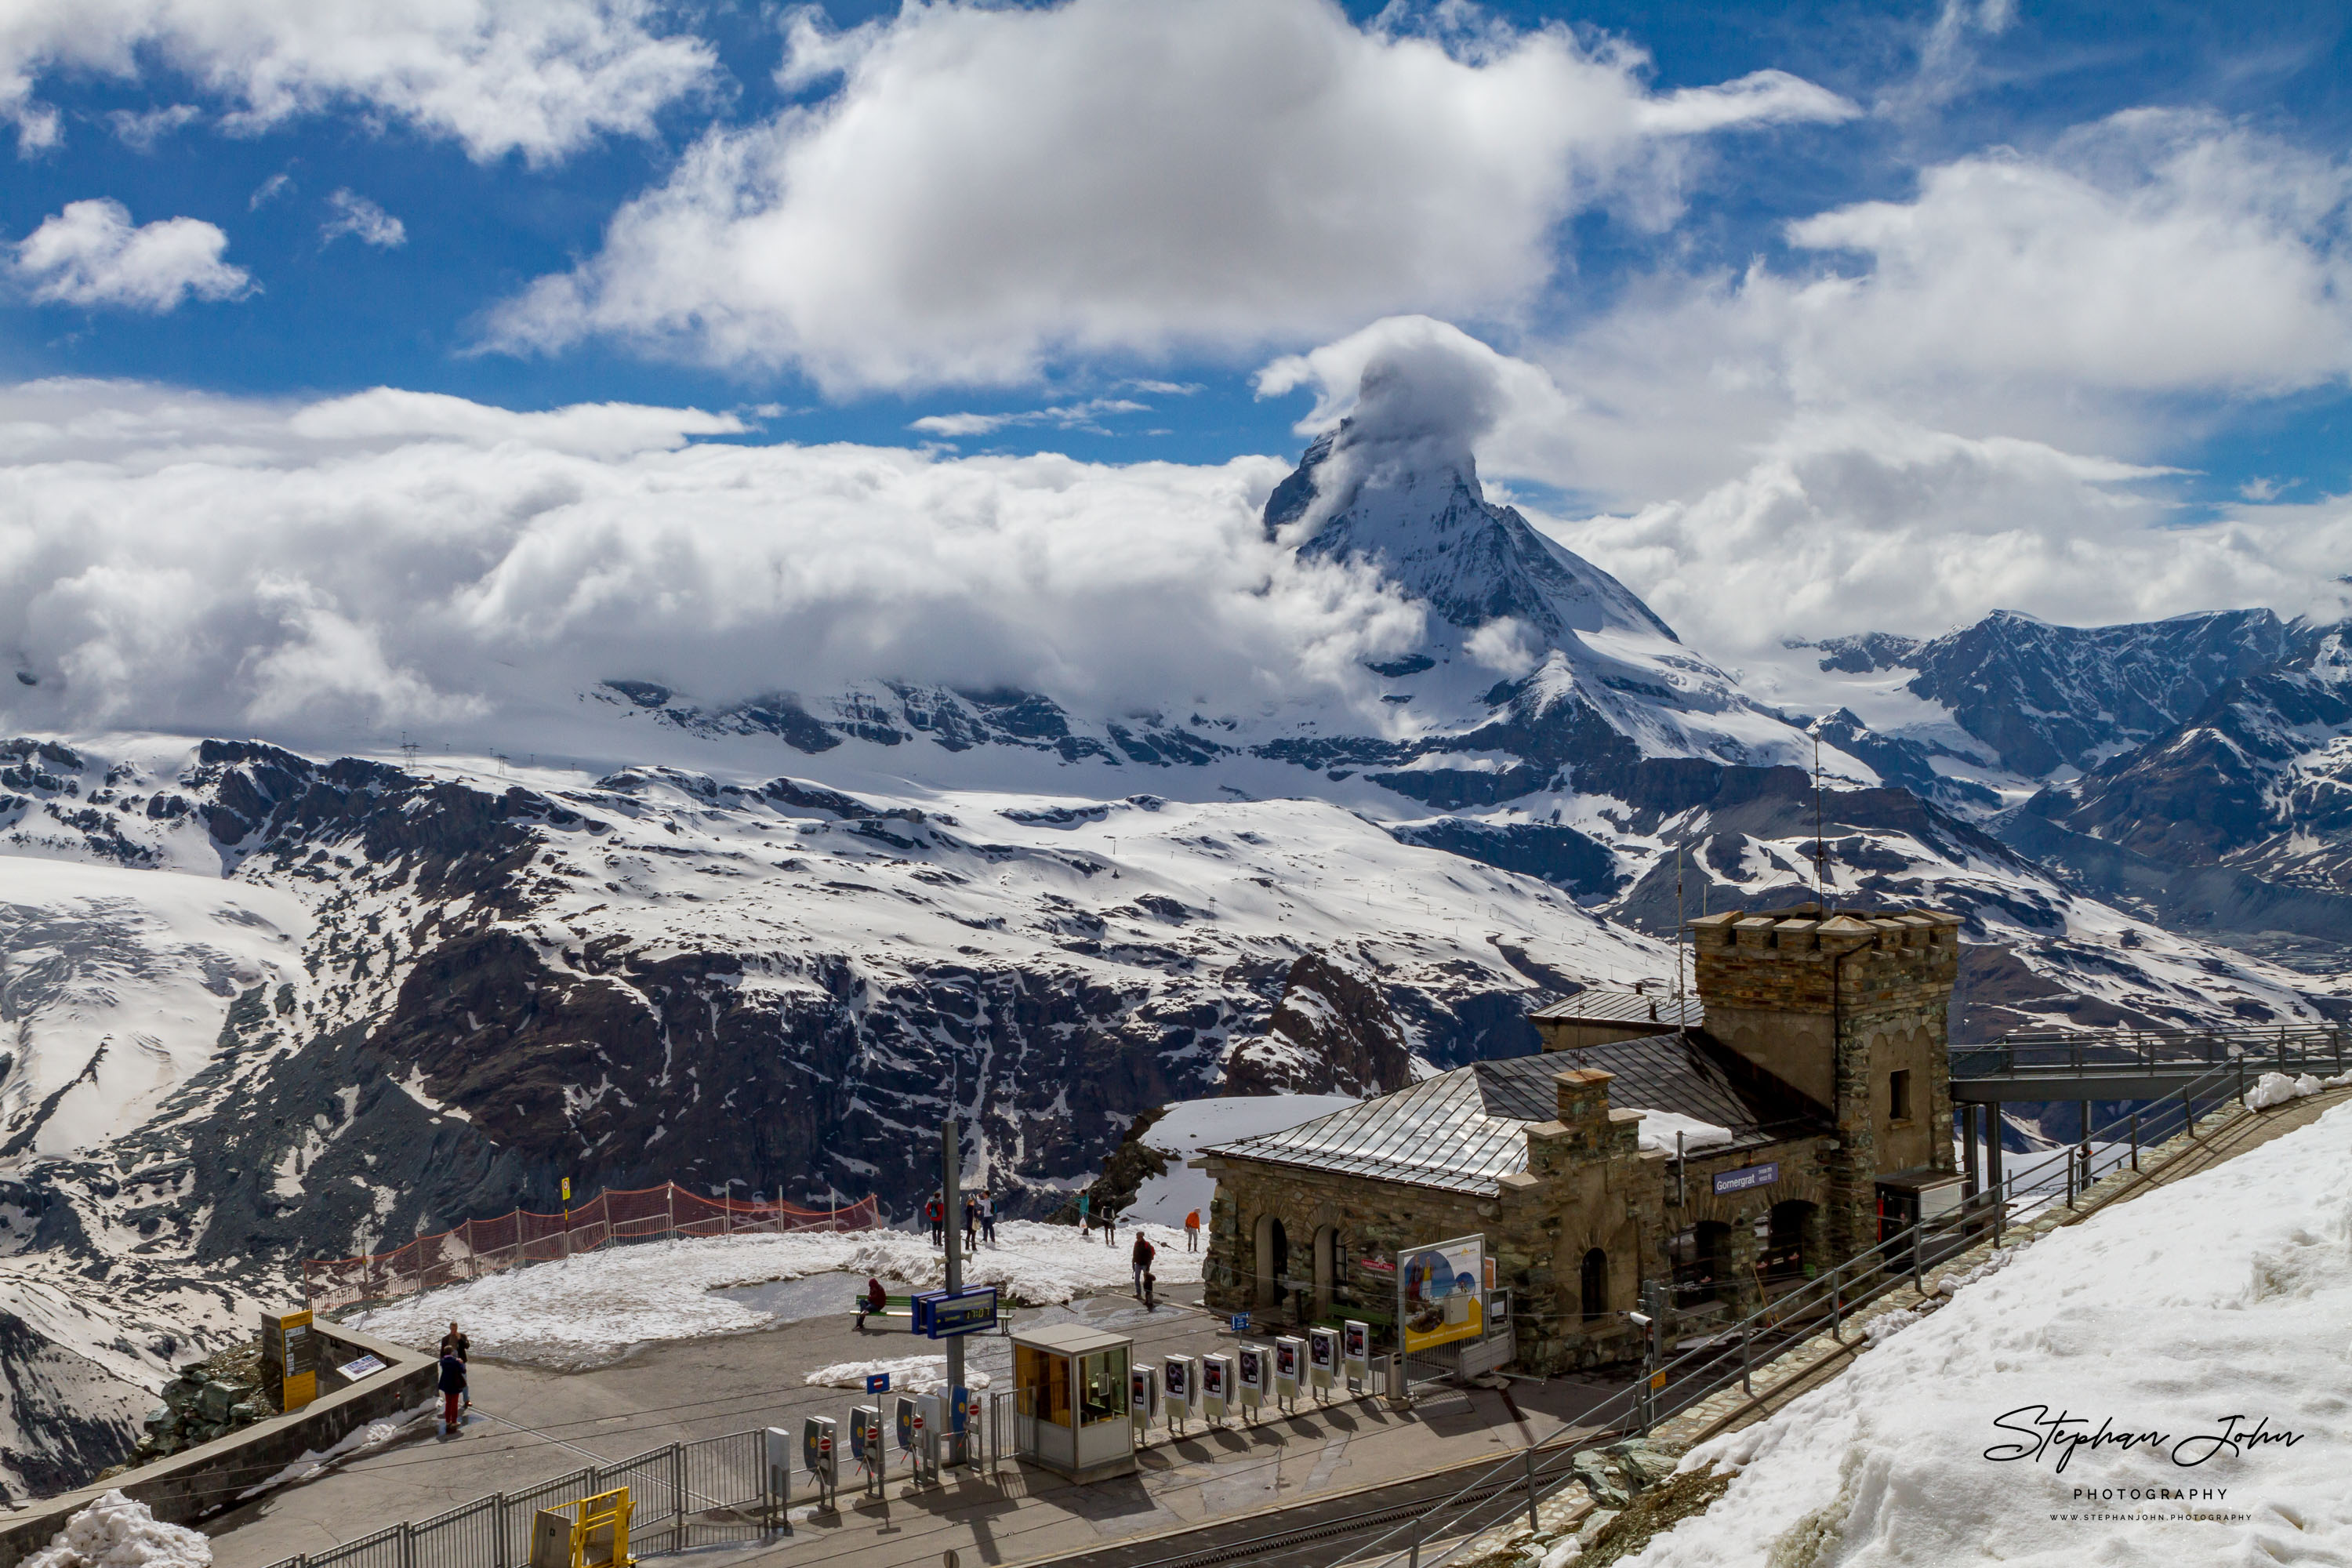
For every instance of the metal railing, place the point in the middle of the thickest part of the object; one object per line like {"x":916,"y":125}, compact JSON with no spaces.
{"x":1728,"y":1355}
{"x":708,"y":1492}
{"x":2277,"y":1048}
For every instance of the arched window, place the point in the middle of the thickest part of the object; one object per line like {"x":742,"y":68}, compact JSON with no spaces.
{"x":1595,"y":1283}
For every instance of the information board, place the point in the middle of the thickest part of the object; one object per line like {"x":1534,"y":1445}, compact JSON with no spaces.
{"x":1438,"y":1291}
{"x":289,"y":1353}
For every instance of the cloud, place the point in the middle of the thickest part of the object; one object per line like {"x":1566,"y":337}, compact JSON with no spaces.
{"x":1086,"y":415}
{"x":990,"y":187}
{"x":1859,"y":522}
{"x":268,"y":191}
{"x":355,"y":214}
{"x":90,"y":255}
{"x":541,"y":77}
{"x":140,"y":132}
{"x":341,"y":569}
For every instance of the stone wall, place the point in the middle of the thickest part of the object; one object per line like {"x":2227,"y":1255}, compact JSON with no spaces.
{"x":205,"y":1479}
{"x":1588,"y":1185}
{"x":1834,"y":1008}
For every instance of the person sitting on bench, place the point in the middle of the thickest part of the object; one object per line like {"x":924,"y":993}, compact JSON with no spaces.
{"x":874,"y":1302}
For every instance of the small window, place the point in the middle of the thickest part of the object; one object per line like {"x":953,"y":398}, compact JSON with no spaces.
{"x":1899,"y":1095}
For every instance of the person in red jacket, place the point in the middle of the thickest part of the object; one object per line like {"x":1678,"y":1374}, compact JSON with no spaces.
{"x":453,"y":1390}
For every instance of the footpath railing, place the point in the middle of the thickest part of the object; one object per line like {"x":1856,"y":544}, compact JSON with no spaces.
{"x":2281,"y":1048}
{"x":714,"y":1491}
{"x":1726,"y":1356}
{"x":482,"y":1246}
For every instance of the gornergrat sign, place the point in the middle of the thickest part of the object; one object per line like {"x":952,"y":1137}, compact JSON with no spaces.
{"x":1746,"y":1176}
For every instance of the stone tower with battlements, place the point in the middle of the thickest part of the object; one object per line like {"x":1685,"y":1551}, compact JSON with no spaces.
{"x":1851,"y":1010}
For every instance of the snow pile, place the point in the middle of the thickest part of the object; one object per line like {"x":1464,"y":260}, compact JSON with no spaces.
{"x":2277,"y":1089}
{"x":117,"y":1532}
{"x":1658,"y":1129}
{"x":1886,"y":1325}
{"x":1998,"y":1258}
{"x":592,"y":1309}
{"x":1191,"y":1125}
{"x":907,"y":1373}
{"x":360,"y":1440}
{"x":2215,"y":1307}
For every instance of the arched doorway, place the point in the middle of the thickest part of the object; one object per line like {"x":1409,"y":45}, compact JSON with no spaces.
{"x":1327,"y":1271}
{"x":1697,"y":1254}
{"x":1592,"y":1281}
{"x":1273,"y":1259}
{"x":1787,"y":1255}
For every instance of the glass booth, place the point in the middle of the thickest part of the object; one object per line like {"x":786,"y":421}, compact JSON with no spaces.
{"x":1069,"y":1386}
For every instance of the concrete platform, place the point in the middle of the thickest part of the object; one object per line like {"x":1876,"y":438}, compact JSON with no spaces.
{"x":529,"y":1426}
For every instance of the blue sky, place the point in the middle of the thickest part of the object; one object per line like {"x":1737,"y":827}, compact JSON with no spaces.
{"x":326,"y":318}
{"x":1802,"y":320}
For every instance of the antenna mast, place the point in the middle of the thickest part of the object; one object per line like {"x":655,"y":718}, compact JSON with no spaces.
{"x":1821,"y":839}
{"x":1679,"y":1021}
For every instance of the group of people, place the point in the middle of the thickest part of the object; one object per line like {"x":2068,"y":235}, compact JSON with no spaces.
{"x":978,"y":1218}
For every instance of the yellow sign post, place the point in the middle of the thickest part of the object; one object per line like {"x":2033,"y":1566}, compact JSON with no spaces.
{"x":289,"y":1349}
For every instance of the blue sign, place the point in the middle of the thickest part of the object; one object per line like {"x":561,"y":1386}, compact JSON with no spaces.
{"x":1240,"y":1321}
{"x":943,"y":1314}
{"x":1748,"y":1177}
{"x":877,"y":1383}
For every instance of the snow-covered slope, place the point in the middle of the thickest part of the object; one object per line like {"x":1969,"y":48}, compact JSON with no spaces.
{"x":266,"y":1004}
{"x":2196,"y":1312}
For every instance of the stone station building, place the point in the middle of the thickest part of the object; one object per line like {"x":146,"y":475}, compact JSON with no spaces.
{"x":1810,"y":1085}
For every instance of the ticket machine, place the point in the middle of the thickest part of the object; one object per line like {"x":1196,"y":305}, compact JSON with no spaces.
{"x":1256,"y":1374}
{"x":1142,"y":1400}
{"x":1356,"y":1354}
{"x":817,"y":1456}
{"x":930,"y":1433}
{"x":1322,"y":1361}
{"x":1289,"y":1369}
{"x":1179,"y":1385}
{"x":1216,"y":1387}
{"x":866,"y":1443}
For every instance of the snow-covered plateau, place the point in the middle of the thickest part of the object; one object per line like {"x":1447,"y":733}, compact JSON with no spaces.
{"x":2164,"y":1383}
{"x":267,"y":1002}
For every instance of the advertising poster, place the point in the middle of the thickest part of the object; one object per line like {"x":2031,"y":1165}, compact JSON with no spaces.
{"x":1438,"y":1293}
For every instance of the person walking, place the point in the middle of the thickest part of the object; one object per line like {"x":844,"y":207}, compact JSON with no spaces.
{"x":455,"y":1343}
{"x":937,"y":1212}
{"x":452,"y":1392}
{"x":1151,"y":1289}
{"x":988,"y":1216}
{"x":1193,"y":1231}
{"x":970,"y":1223}
{"x":1140,"y":1260}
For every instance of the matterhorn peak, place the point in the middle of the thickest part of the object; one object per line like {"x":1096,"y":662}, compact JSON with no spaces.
{"x":1395,"y":484}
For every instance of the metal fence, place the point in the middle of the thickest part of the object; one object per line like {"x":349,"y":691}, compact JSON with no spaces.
{"x":710,"y":1492}
{"x":482,"y":1246}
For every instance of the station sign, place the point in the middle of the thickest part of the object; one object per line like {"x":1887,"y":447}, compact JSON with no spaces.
{"x":945,"y":1314}
{"x":1746,"y":1177}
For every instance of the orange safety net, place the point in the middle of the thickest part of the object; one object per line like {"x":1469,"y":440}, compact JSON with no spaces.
{"x":482,"y":1246}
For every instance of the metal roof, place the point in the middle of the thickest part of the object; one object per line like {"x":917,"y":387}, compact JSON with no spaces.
{"x":1463,"y":1130}
{"x":1601,"y":1005}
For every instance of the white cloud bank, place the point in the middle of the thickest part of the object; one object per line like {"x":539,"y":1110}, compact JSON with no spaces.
{"x":991,"y":187}
{"x":541,"y":77}
{"x":185,"y":563}
{"x":92,"y":254}
{"x":2107,"y":294}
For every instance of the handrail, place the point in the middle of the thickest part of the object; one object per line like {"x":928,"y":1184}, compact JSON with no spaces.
{"x":1849,"y":1285}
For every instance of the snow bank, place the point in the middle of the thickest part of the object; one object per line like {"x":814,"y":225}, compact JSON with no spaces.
{"x":1998,"y":1258}
{"x":1659,"y":1127}
{"x":1191,"y":1125}
{"x":909,"y":1374}
{"x":593,"y":1308}
{"x":116,"y":1532}
{"x":2205,"y":1308}
{"x":2277,"y":1089}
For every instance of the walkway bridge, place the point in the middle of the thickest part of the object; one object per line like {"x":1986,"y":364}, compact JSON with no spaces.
{"x":2139,"y":1064}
